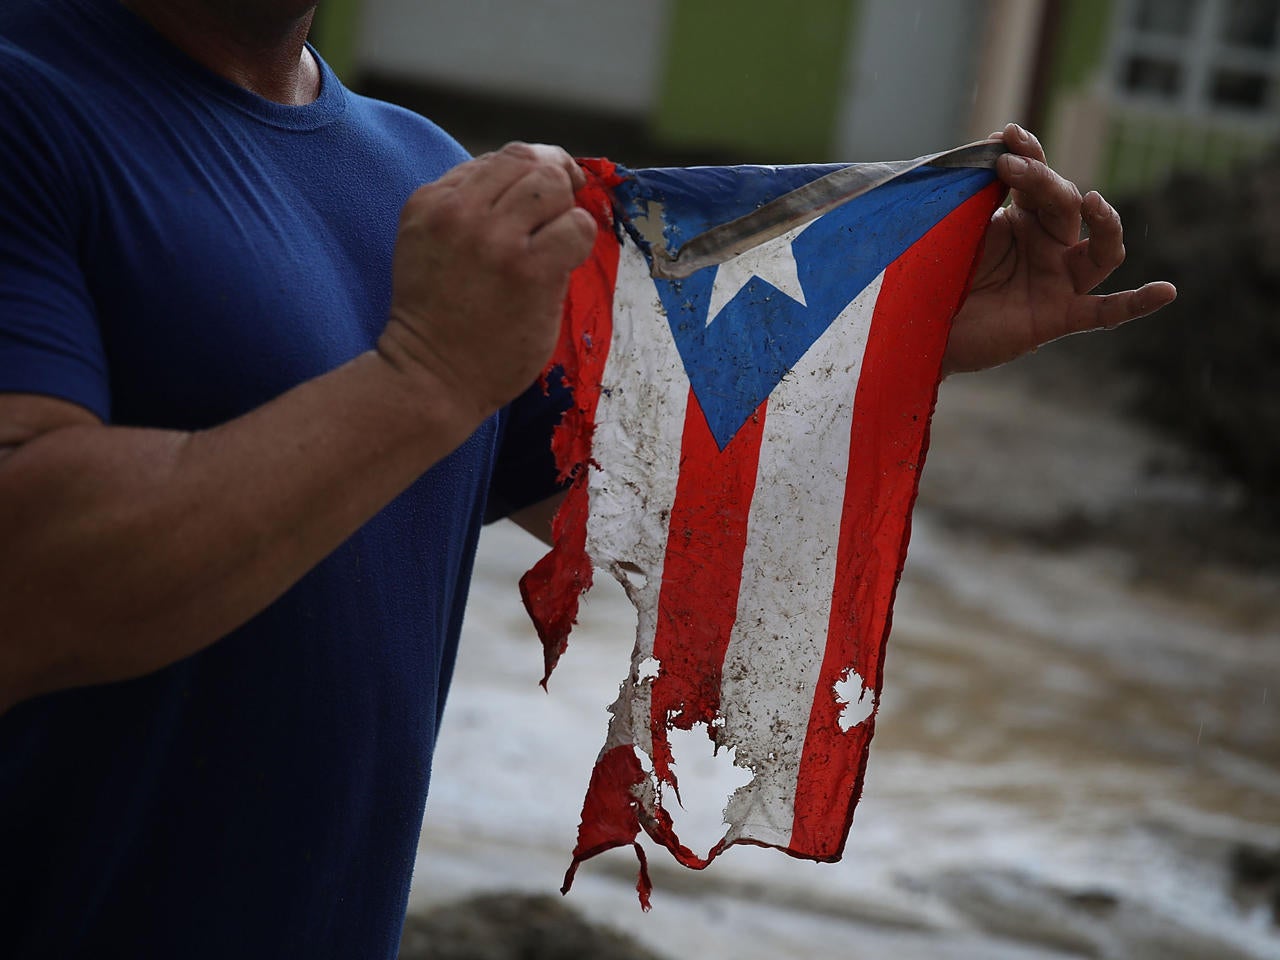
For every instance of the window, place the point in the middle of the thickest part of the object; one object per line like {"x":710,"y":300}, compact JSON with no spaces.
{"x":1171,"y":17}
{"x":1250,"y":23}
{"x":1200,"y":56}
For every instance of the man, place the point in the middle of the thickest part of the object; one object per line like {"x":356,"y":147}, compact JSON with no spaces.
{"x":248,"y":428}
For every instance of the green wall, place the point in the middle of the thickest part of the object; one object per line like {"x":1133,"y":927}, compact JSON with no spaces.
{"x":1083,"y":36}
{"x":334,"y":34}
{"x":756,"y":77}
{"x":1141,"y":151}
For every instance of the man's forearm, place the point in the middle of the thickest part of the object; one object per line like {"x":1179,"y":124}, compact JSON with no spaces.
{"x":128,"y":549}
{"x":122,"y":551}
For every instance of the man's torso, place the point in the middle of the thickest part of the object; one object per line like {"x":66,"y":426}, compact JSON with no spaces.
{"x":197,"y":251}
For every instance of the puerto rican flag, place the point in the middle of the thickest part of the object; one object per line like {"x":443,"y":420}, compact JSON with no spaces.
{"x":754,"y":354}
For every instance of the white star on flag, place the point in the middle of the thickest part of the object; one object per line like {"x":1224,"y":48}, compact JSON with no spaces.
{"x":773,"y":261}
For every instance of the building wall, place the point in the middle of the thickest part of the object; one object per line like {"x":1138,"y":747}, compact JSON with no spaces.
{"x":909,"y":81}
{"x":1104,"y":136}
{"x":759,"y":80}
{"x":1009,"y":75}
{"x":755,"y":80}
{"x":601,"y":54}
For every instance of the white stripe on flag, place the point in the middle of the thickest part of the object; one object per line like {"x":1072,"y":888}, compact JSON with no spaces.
{"x":629,"y":509}
{"x":779,"y":637}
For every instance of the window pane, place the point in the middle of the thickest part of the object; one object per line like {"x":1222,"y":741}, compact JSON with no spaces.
{"x":1153,"y":76}
{"x":1239,"y":89}
{"x":1251,"y":23}
{"x":1165,"y":16}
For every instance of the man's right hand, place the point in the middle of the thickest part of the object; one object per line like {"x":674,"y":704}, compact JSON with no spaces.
{"x":482,"y":263}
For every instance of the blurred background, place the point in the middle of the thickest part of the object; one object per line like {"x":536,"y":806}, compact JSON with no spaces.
{"x":1123,"y":91}
{"x":1078,"y":750}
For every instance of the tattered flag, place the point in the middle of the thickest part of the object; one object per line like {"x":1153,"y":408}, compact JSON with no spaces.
{"x":754,"y":355}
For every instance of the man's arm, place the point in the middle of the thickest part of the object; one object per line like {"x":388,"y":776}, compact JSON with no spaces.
{"x":128,"y":549}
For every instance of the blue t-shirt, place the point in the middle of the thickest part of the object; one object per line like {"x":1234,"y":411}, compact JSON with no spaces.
{"x":175,"y":251}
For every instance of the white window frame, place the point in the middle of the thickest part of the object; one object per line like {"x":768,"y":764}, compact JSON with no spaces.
{"x":1198,"y":54}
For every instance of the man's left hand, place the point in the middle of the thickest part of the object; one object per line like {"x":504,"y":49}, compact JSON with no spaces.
{"x":1033,"y":283}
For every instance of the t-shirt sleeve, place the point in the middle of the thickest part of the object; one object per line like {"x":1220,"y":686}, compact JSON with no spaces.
{"x":525,"y":472}
{"x":49,"y":338}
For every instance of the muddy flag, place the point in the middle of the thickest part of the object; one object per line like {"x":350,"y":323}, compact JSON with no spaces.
{"x":754,"y":355}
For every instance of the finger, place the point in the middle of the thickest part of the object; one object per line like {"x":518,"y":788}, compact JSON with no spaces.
{"x":1054,"y":199}
{"x":566,"y":241}
{"x":486,"y":178}
{"x":1092,"y":261}
{"x":577,"y":176}
{"x":1023,"y":142}
{"x":464,"y":171}
{"x":1106,"y":312}
{"x":998,"y":256}
{"x":536,"y":199}
{"x":557,"y":157}
{"x":1106,"y":232}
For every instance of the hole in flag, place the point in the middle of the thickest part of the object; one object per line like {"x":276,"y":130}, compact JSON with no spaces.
{"x":648,"y":669}
{"x":851,"y":692}
{"x":708,"y":777}
{"x":633,"y":578}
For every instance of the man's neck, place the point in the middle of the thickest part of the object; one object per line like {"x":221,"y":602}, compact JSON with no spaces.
{"x":257,"y":45}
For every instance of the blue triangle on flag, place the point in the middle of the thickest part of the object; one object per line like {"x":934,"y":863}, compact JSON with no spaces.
{"x":737,"y":360}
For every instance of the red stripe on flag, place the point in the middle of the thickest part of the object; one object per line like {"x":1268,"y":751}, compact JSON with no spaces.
{"x":922,"y":291}
{"x":702,"y":571}
{"x":552,"y":588}
{"x":610,"y":815}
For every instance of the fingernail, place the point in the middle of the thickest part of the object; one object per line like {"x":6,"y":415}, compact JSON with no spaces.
{"x":1019,"y":132}
{"x":1017,"y":165}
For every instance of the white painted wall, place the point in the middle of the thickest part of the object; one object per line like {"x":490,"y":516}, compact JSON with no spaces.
{"x":911,"y":81}
{"x":912,"y":84}
{"x":604,"y":54}
{"x":1008,"y":61}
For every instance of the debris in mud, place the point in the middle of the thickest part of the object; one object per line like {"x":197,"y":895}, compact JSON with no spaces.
{"x":512,"y":926}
